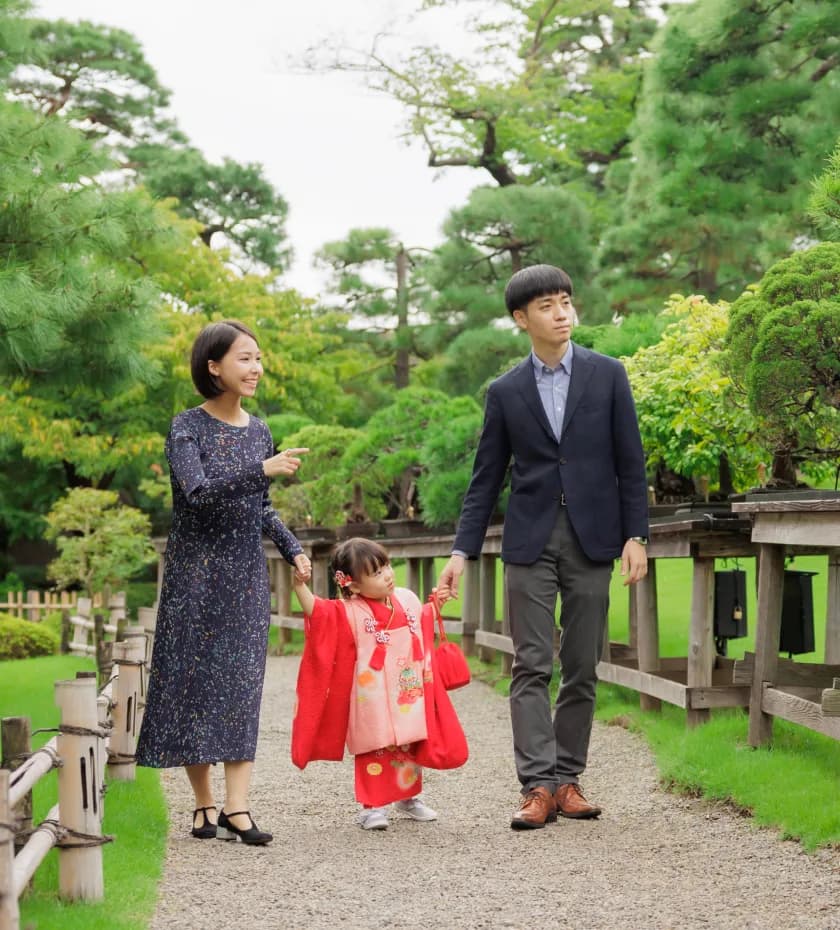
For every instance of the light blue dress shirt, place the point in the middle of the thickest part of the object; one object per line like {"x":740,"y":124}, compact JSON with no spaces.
{"x":553,"y":388}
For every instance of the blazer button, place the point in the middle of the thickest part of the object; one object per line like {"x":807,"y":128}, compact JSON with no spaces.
{"x":562,"y":461}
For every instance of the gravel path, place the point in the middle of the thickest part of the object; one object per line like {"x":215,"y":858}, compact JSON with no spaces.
{"x":653,"y":861}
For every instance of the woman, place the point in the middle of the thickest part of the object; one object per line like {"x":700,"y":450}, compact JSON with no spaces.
{"x":208,"y":664}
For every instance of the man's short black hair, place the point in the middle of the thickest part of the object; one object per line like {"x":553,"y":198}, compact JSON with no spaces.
{"x":212,"y":344}
{"x":535,"y":281}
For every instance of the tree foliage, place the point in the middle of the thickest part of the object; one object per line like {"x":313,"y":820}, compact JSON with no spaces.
{"x":447,"y":455}
{"x":740,"y":107}
{"x":784,"y":349}
{"x":372,"y":273}
{"x":232,"y":201}
{"x":100,"y":542}
{"x":390,"y":445}
{"x":824,"y":205}
{"x":690,"y":417}
{"x":496,"y":233}
{"x":547,"y":94}
{"x":97,"y":77}
{"x":332,"y":488}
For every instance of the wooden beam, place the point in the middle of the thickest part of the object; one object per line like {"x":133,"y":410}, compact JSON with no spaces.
{"x":771,"y":565}
{"x":647,"y":617}
{"x":497,"y":641}
{"x":487,"y":600}
{"x":788,"y":672}
{"x":797,"y":529}
{"x":832,"y":614}
{"x":701,"y":645}
{"x":830,"y":700}
{"x":719,"y":696}
{"x":643,"y":682}
{"x":798,"y":710}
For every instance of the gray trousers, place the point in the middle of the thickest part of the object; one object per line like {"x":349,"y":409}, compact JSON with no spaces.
{"x":553,"y":752}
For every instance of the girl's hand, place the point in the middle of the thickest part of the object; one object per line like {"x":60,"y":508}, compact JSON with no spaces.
{"x":443,"y":593}
{"x":303,"y":569}
{"x":284,"y":463}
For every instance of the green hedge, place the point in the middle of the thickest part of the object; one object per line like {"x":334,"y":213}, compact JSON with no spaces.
{"x":22,"y":639}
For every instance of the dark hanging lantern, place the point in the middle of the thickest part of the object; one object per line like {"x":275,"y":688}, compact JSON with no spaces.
{"x":797,"y":632}
{"x":730,"y":616}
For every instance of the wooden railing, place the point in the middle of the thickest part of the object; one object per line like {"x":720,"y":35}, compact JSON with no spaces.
{"x":96,"y":736}
{"x":700,"y":680}
{"x":34,"y":604}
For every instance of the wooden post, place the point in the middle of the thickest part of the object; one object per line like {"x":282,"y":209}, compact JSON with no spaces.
{"x":147,"y":618}
{"x":127,"y":688}
{"x":33,"y":598}
{"x":104,"y":650}
{"x":79,"y":790}
{"x":283,"y":590}
{"x":470,"y":605}
{"x":320,"y":576}
{"x":15,"y":733}
{"x":428,"y":571}
{"x":771,"y":564}
{"x":487,"y":602}
{"x":507,"y":660}
{"x":9,"y":912}
{"x":701,"y":642}
{"x":632,"y":623}
{"x":65,"y":632}
{"x":413,"y":578}
{"x":832,"y":618}
{"x":647,"y":638}
{"x":135,"y":639}
{"x":103,"y":716}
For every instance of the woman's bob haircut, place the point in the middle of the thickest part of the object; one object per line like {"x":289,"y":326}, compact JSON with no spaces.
{"x":211,"y":345}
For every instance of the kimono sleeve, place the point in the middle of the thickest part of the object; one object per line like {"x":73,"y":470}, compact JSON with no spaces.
{"x":324,"y":685}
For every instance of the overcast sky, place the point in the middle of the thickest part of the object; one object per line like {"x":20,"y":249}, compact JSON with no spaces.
{"x":329,"y":145}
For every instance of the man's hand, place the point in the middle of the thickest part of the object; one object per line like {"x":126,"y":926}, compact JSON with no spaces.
{"x":633,"y":562}
{"x":450,"y":575}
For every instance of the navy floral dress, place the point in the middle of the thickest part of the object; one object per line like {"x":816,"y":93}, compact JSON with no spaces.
{"x":208,"y":665}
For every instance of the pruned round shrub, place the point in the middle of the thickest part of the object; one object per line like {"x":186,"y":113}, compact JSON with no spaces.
{"x":21,"y":639}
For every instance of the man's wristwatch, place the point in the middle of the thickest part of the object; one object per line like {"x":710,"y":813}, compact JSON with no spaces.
{"x":641,"y":540}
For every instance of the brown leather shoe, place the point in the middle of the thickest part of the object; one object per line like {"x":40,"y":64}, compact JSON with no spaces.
{"x":536,"y":810}
{"x":570,"y":802}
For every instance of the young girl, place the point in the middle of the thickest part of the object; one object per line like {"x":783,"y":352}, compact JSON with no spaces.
{"x":368,"y":645}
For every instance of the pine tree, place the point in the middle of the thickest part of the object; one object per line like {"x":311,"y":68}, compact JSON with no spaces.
{"x":739,"y":109}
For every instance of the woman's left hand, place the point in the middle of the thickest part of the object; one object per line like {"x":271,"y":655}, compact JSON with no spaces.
{"x":303,"y":567}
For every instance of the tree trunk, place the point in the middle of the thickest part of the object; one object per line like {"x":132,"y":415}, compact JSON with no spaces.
{"x":725,"y":475}
{"x":401,"y":365}
{"x":783,"y":472}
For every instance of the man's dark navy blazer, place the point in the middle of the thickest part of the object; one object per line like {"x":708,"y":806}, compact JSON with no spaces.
{"x":599,"y":464}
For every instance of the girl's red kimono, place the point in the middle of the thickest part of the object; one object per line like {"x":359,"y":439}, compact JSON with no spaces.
{"x":362,"y":682}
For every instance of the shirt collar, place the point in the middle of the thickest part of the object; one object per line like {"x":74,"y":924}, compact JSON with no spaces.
{"x":565,"y":362}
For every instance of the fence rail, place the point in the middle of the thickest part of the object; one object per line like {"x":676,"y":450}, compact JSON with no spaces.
{"x":97,"y":735}
{"x":33,"y":604}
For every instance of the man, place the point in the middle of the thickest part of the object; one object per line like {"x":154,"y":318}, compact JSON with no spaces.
{"x":578,"y":500}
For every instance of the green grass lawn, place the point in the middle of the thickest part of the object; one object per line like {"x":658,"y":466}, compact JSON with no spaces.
{"x":135,"y":814}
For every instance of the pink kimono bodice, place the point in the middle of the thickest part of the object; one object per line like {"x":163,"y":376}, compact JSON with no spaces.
{"x":386,"y":704}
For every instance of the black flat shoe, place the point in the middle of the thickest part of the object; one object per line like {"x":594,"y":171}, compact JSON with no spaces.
{"x":208,"y":831}
{"x":252,"y":836}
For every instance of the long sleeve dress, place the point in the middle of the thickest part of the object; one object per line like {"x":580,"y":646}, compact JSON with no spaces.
{"x":208,"y":664}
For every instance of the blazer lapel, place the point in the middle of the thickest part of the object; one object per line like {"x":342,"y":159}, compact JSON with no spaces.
{"x":526,"y":383}
{"x":582,"y":369}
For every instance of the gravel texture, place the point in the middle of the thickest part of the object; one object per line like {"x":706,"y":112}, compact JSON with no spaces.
{"x":653,"y":861}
